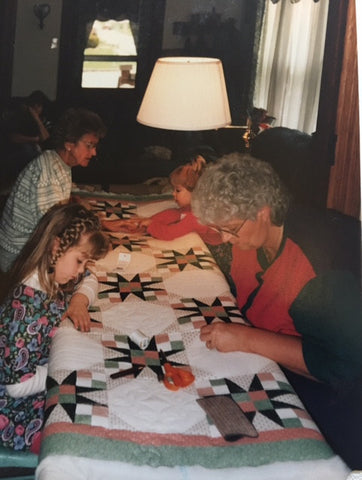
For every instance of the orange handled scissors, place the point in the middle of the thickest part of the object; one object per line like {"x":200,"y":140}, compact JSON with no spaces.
{"x":174,"y":377}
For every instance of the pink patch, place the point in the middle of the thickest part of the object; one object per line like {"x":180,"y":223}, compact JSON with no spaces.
{"x":4,"y":421}
{"x":258,"y":395}
{"x":247,"y":406}
{"x":26,"y":377}
{"x":20,"y":343}
{"x":19,"y":430}
{"x":38,"y":404}
{"x":29,"y":291}
{"x":52,"y":332}
{"x":36,"y":442}
{"x":43,"y":321}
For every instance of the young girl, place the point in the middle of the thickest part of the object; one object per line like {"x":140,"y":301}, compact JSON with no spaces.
{"x":173,"y":222}
{"x":51,"y":263}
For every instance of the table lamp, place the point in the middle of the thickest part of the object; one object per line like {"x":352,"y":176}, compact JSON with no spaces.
{"x":186,"y":93}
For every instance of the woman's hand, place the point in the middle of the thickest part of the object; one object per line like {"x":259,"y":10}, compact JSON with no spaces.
{"x":78,"y":312}
{"x":44,"y":134}
{"x":34,"y":113}
{"x":231,"y":337}
{"x":225,"y":337}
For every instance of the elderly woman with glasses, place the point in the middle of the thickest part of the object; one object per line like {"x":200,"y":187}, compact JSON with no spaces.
{"x":300,"y":310}
{"x":47,"y":181}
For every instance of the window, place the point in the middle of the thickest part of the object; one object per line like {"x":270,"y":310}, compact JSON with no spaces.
{"x":290,"y":62}
{"x":110,"y":56}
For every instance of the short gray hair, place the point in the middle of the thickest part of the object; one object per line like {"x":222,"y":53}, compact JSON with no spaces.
{"x":237,"y":186}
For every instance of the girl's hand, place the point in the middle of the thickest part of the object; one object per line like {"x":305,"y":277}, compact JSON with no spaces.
{"x":78,"y":312}
{"x":144,"y":222}
{"x":112,"y":225}
{"x":132,"y":225}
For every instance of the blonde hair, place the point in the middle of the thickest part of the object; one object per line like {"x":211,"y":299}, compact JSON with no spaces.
{"x":187,"y":175}
{"x":67,"y":223}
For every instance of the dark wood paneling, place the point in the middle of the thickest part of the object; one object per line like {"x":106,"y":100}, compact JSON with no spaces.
{"x":344,"y":185}
{"x":325,"y":135}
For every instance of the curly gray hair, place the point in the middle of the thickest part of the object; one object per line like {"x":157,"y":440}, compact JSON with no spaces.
{"x":237,"y":186}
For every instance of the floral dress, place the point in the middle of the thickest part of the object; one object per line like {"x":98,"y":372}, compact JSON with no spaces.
{"x":28,"y":321}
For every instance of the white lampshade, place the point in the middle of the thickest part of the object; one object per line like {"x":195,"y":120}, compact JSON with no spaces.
{"x":186,"y":93}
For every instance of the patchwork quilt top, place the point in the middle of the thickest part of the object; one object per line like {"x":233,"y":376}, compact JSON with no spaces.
{"x":165,"y":291}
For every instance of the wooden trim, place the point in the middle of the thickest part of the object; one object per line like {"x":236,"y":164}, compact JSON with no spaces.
{"x":344,"y":185}
{"x":325,"y":136}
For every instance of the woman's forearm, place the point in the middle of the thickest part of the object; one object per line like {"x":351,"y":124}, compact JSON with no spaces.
{"x":284,"y":349}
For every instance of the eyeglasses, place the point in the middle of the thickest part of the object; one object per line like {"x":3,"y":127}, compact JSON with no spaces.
{"x":89,"y":145}
{"x":234,"y":232}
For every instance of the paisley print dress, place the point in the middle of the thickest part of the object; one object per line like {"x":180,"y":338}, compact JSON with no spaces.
{"x":28,"y":321}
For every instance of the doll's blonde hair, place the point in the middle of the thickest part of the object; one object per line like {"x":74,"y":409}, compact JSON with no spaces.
{"x":187,"y":175}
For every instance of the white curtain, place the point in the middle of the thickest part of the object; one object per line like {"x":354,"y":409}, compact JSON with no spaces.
{"x":290,"y":62}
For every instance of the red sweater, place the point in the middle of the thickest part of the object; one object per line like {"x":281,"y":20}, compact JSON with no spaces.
{"x":176,"y":222}
{"x":266,"y":301}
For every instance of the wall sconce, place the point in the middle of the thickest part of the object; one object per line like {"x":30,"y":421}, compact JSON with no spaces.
{"x":41,"y":11}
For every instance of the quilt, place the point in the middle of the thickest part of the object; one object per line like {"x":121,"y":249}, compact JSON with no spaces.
{"x":153,"y":298}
